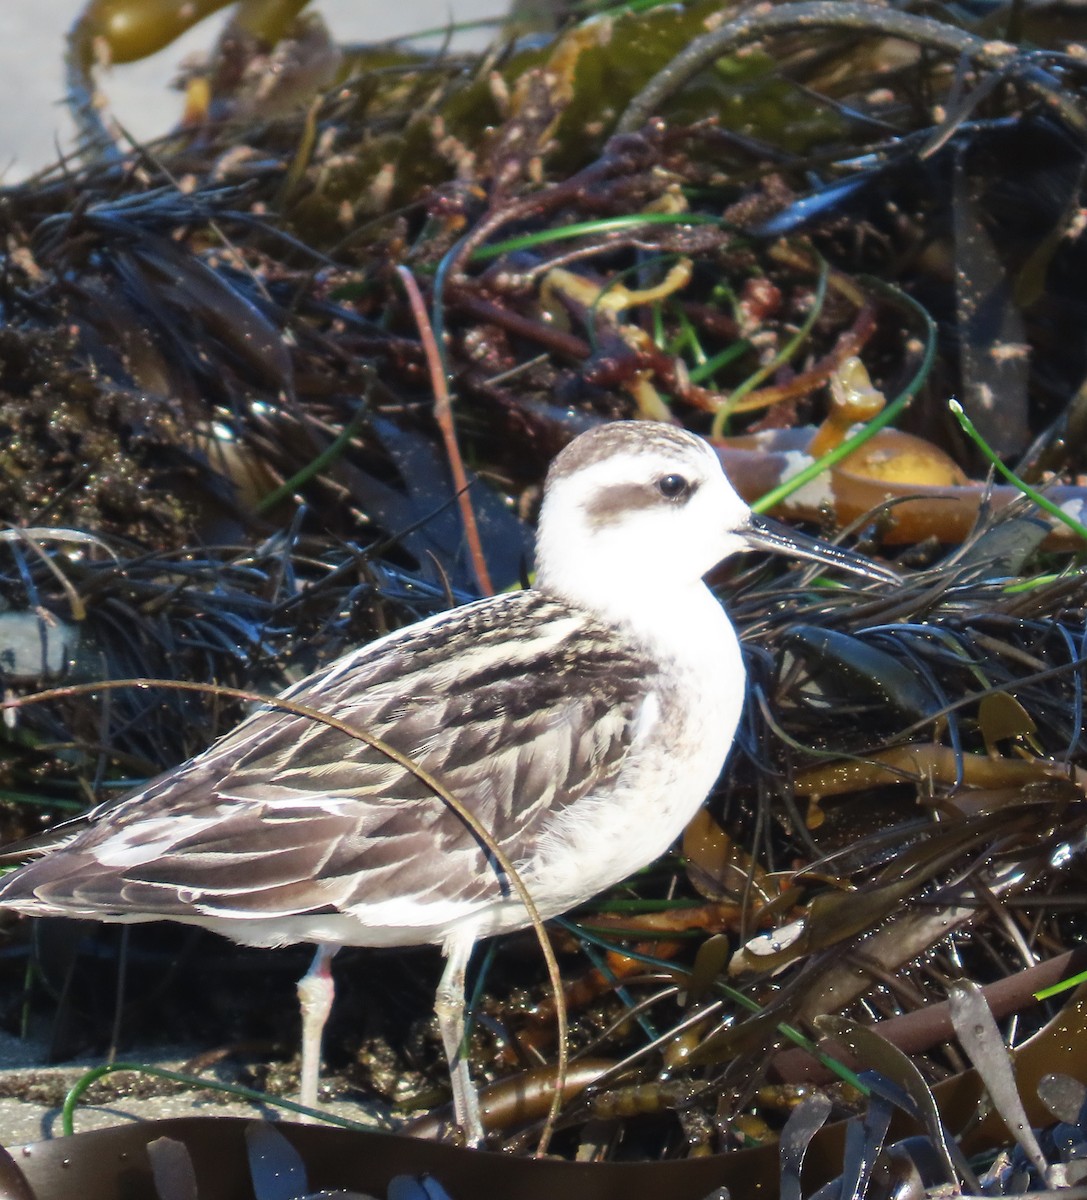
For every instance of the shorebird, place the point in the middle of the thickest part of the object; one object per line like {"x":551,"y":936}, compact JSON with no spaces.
{"x":582,"y":721}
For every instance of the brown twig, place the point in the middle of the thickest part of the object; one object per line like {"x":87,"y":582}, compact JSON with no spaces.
{"x":443,"y":414}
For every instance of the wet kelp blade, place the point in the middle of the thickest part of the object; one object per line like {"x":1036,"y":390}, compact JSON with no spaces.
{"x":13,"y":1184}
{"x":803,"y":1124}
{"x":172,"y":1169}
{"x":980,"y":1037}
{"x":278,"y":1170}
{"x":92,"y":1164}
{"x":864,"y":1138}
{"x":905,"y":1080}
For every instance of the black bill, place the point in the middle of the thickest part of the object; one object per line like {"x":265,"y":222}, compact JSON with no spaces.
{"x":766,"y":534}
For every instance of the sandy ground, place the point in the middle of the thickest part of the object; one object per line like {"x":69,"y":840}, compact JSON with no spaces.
{"x":31,"y":1096}
{"x":33,"y":120}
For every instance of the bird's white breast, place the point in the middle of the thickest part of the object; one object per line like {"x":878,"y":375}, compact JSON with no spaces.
{"x":685,"y":730}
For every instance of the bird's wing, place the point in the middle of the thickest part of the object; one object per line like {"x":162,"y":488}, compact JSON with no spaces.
{"x":518,"y":705}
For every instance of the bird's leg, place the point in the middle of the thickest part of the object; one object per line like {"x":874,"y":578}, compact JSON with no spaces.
{"x":315,"y":992}
{"x":449,"y":1006}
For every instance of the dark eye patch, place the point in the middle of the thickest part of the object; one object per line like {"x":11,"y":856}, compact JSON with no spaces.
{"x":615,"y":502}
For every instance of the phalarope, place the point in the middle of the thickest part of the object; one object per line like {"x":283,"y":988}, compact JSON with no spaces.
{"x":582,"y":721}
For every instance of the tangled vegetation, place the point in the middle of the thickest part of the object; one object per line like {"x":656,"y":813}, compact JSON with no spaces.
{"x":232,"y":447}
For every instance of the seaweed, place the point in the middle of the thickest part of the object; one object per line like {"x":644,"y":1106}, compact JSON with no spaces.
{"x":223,"y":460}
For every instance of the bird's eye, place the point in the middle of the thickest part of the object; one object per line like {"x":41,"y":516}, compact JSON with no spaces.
{"x":673,"y":487}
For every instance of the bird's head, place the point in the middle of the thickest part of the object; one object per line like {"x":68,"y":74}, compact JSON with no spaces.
{"x":644,"y":505}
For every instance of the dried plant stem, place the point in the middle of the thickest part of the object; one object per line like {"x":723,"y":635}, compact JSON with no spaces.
{"x":443,"y":414}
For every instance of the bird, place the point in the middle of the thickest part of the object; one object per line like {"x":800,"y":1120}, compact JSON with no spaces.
{"x":582,"y":721}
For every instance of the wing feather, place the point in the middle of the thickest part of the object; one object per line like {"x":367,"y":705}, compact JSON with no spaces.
{"x":286,"y":814}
